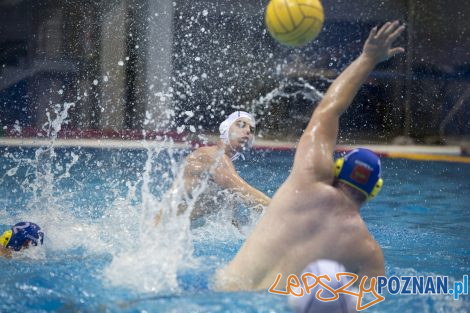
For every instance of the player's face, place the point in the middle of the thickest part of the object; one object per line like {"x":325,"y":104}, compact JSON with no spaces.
{"x":241,"y":134}
{"x":26,"y":244}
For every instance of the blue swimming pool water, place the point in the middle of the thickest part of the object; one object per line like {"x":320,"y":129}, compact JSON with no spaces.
{"x":91,"y":203}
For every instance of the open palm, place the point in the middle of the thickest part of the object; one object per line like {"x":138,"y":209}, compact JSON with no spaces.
{"x":378,"y":46}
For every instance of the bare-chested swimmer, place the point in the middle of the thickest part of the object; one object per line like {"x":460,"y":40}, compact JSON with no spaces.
{"x":210,"y":170}
{"x":315,"y":214}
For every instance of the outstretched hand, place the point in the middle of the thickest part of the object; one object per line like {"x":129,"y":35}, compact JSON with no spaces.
{"x":378,"y":46}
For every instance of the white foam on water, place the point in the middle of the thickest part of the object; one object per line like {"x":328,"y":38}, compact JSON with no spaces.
{"x":150,"y":255}
{"x":47,"y":207}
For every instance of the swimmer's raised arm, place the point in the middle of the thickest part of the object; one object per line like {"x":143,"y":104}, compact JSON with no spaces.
{"x":226,"y":176}
{"x":314,"y":155}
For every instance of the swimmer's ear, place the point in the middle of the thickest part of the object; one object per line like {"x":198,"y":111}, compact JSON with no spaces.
{"x":338,"y":166}
{"x":376,"y":189}
{"x":5,"y":238}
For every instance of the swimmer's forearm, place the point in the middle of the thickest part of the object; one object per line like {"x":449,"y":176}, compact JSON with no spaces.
{"x":260,"y":197}
{"x":343,"y":90}
{"x":229,"y":179}
{"x":254,"y":196}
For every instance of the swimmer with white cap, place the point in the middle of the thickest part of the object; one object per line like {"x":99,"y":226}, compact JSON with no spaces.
{"x":213,"y":165}
{"x":315,"y":214}
{"x":21,"y":236}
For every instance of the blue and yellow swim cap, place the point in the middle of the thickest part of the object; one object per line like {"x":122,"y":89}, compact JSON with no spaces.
{"x":361,"y":170}
{"x":21,"y":232}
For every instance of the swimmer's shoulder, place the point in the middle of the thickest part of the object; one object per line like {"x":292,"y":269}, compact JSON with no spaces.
{"x":204,"y":157}
{"x":306,"y":195}
{"x":206,"y":154}
{"x":208,"y":151}
{"x":201,"y":154}
{"x":311,"y":186}
{"x":308,"y":181}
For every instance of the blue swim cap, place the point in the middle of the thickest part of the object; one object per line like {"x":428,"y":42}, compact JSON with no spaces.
{"x":361,"y":170}
{"x":22,"y":232}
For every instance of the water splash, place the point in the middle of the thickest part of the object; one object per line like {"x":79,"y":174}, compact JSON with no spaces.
{"x":47,"y":206}
{"x":288,"y":88}
{"x":149,"y":255}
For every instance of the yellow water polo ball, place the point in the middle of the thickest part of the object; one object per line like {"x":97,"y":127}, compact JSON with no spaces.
{"x":294,"y":22}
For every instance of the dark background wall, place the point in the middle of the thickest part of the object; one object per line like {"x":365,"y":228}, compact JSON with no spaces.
{"x":97,"y":55}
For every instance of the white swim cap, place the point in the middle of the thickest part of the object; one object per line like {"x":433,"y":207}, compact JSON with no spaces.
{"x":225,"y":125}
{"x":309,"y":303}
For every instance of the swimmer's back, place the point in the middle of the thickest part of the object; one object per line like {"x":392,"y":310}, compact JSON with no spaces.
{"x":304,"y":222}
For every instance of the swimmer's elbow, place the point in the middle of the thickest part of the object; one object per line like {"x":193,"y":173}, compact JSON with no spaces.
{"x":322,"y":117}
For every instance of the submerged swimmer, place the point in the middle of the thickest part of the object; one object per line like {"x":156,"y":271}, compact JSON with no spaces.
{"x":21,"y":236}
{"x":209,"y":170}
{"x":315,"y":214}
